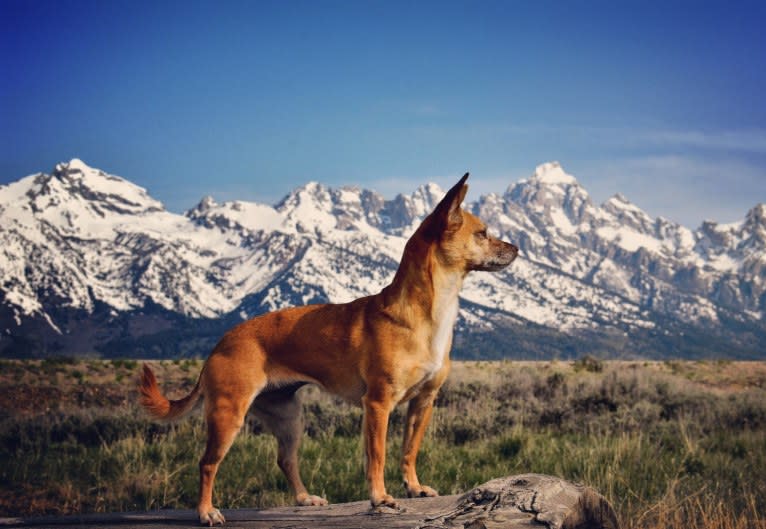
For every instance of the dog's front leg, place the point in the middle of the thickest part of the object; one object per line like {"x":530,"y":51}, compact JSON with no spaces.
{"x":377,"y":407}
{"x":418,"y":416}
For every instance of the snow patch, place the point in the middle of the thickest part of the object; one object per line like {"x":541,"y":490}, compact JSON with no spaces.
{"x":562,"y":222}
{"x":629,"y":239}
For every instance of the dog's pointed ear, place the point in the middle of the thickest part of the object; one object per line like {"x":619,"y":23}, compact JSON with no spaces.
{"x":447,"y":212}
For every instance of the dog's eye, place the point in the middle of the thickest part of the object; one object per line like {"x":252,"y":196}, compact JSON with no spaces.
{"x":482,"y":234}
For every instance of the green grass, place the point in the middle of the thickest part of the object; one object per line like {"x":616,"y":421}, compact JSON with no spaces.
{"x":666,"y":449}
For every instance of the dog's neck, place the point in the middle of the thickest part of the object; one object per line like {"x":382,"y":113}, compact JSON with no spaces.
{"x":422,"y":288}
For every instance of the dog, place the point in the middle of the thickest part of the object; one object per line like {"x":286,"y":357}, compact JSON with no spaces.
{"x":375,"y":352}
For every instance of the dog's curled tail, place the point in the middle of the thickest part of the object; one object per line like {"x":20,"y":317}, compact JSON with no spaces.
{"x":158,"y":405}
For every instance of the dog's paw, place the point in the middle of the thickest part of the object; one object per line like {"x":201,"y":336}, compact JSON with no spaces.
{"x":421,"y":491}
{"x":306,"y":500}
{"x":386,"y":500}
{"x":211,"y":517}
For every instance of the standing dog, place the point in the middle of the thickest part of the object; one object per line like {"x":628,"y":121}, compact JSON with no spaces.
{"x":376,"y":352}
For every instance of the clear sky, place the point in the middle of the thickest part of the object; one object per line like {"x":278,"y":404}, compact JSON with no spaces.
{"x":662,"y":101}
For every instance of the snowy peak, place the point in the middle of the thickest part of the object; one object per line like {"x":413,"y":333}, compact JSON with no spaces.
{"x":627,"y":213}
{"x":314,"y":208}
{"x":425,"y":198}
{"x":75,"y":182}
{"x":422,"y":201}
{"x":548,"y":185}
{"x":401,"y":215}
{"x":74,"y":165}
{"x":235,"y":215}
{"x":205,"y":205}
{"x":619,"y":201}
{"x":752,"y":230}
{"x":741,"y":239}
{"x":552,"y":203}
{"x":551,"y":173}
{"x":755,"y":221}
{"x":311,"y":193}
{"x":317,"y":208}
{"x":74,"y":200}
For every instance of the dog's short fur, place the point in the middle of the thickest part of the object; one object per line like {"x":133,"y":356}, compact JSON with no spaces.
{"x":376,"y":352}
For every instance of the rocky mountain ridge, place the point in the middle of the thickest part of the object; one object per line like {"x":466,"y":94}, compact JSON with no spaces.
{"x":91,"y":263}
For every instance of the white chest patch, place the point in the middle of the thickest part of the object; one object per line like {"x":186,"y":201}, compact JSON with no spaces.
{"x":445,"y":315}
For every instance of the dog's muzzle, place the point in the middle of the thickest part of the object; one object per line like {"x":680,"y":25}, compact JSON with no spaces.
{"x":504,"y":255}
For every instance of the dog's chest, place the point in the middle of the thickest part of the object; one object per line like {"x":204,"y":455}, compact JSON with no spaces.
{"x":445,"y":314}
{"x":436,"y":353}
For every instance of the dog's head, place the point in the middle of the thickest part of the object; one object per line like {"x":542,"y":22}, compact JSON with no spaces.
{"x":461,"y":238}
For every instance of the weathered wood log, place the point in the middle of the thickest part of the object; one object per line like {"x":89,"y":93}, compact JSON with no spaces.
{"x":514,"y":502}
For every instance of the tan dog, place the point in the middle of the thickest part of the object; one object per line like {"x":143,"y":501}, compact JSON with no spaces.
{"x":376,"y":352}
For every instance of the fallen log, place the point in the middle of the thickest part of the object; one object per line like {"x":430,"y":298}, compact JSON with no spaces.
{"x":514,"y":502}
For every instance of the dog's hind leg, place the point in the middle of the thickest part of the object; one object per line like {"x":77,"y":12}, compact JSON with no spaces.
{"x":229,"y":394}
{"x":281,"y":412}
{"x":223,"y":424}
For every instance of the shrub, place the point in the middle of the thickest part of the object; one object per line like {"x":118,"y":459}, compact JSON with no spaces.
{"x":589,"y":363}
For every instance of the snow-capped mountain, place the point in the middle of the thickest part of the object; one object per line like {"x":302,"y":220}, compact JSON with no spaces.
{"x":90,"y":263}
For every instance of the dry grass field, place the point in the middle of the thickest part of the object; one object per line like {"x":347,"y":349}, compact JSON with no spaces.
{"x":670,"y":444}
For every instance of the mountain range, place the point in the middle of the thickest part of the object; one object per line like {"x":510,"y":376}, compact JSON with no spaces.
{"x":91,"y":264}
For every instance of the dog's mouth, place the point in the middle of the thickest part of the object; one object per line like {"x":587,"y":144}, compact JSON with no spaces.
{"x":500,"y":260}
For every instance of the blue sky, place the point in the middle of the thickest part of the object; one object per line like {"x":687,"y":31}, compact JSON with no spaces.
{"x":662,"y":101}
